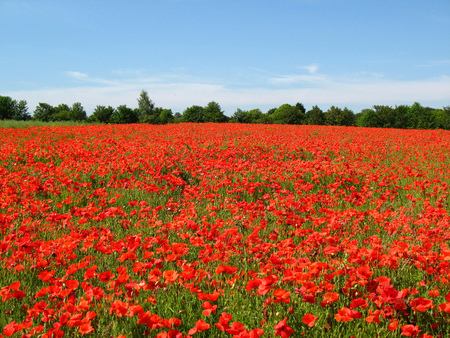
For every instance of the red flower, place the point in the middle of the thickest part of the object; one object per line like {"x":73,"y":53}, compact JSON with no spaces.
{"x":105,"y":276}
{"x":208,"y":308}
{"x":46,"y":275}
{"x":226,"y":269}
{"x":282,"y":295}
{"x":309,"y":319}
{"x":282,"y":329}
{"x":421,"y":304}
{"x":410,"y":330}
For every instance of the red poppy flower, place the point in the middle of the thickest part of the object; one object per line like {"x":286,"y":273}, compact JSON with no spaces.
{"x":309,"y":319}
{"x":282,"y":329}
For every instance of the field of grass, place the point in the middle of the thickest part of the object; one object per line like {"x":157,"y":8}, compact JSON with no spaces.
{"x":224,"y":230}
{"x":33,"y":123}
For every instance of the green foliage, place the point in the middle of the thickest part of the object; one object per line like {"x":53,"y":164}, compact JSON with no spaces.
{"x":146,"y":108}
{"x":240,"y":116}
{"x":12,"y":110}
{"x":244,"y":116}
{"x":21,"y":111}
{"x":315,"y":116}
{"x":77,"y":113}
{"x":403,"y":116}
{"x":63,"y":115}
{"x":193,"y":114}
{"x":123,"y":115}
{"x":213,"y":113}
{"x":44,"y":112}
{"x":165,"y":116}
{"x":271,"y":111}
{"x":300,"y":107}
{"x":442,"y":118}
{"x":335,"y":116}
{"x":6,"y":108}
{"x":102,"y":114}
{"x":287,"y":114}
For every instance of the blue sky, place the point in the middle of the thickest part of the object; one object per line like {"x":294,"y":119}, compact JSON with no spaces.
{"x":240,"y":53}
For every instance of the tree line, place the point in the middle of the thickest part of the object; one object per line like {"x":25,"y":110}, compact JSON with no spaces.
{"x":415,"y":116}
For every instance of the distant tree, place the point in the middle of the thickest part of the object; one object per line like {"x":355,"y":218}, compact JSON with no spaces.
{"x":62,"y":115}
{"x":146,"y":108}
{"x":385,"y":116}
{"x":255,"y":115}
{"x":271,"y":111}
{"x":401,"y":117}
{"x":177,"y":115}
{"x":315,"y":116}
{"x":77,"y":113}
{"x":165,"y":116}
{"x":193,"y":114}
{"x":335,"y":116}
{"x":287,"y":114}
{"x":101,"y":114}
{"x":368,"y":118}
{"x":123,"y":115}
{"x":442,"y":118}
{"x":264,"y":119}
{"x":240,"y":116}
{"x":213,"y":113}
{"x":21,"y":111}
{"x":301,"y":107}
{"x":62,"y":107}
{"x":44,"y":112}
{"x":7,"y":107}
{"x":246,"y":116}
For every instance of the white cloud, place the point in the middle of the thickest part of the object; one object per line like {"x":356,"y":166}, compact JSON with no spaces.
{"x":170,"y":92}
{"x":76,"y":75}
{"x":435,"y":63}
{"x":312,"y":69}
{"x":299,"y":79}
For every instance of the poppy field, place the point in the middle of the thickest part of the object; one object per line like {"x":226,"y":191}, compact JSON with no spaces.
{"x":224,"y":230}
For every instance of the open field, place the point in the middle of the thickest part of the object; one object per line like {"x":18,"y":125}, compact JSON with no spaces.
{"x":224,"y":230}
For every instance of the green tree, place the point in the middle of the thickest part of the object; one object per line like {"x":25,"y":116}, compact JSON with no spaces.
{"x":62,"y":115}
{"x":77,"y":113}
{"x":255,"y":115}
{"x":442,"y":118}
{"x":315,"y":116}
{"x":335,"y":116}
{"x":101,"y":114}
{"x":240,"y":116}
{"x":193,"y":114}
{"x":213,"y":113}
{"x":287,"y":114}
{"x":123,"y":115}
{"x":21,"y":111}
{"x":385,"y":116}
{"x":44,"y":112}
{"x":146,"y":108}
{"x":368,"y":118}
{"x":165,"y":116}
{"x":301,"y":107}
{"x":401,"y":116}
{"x":7,"y":107}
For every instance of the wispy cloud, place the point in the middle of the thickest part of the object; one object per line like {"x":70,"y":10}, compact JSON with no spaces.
{"x":298,"y":79}
{"x":435,"y":63}
{"x":312,"y":69}
{"x":77,"y":75}
{"x":179,"y":92}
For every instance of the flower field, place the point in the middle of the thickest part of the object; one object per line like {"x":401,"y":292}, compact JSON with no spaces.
{"x":224,"y":230}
